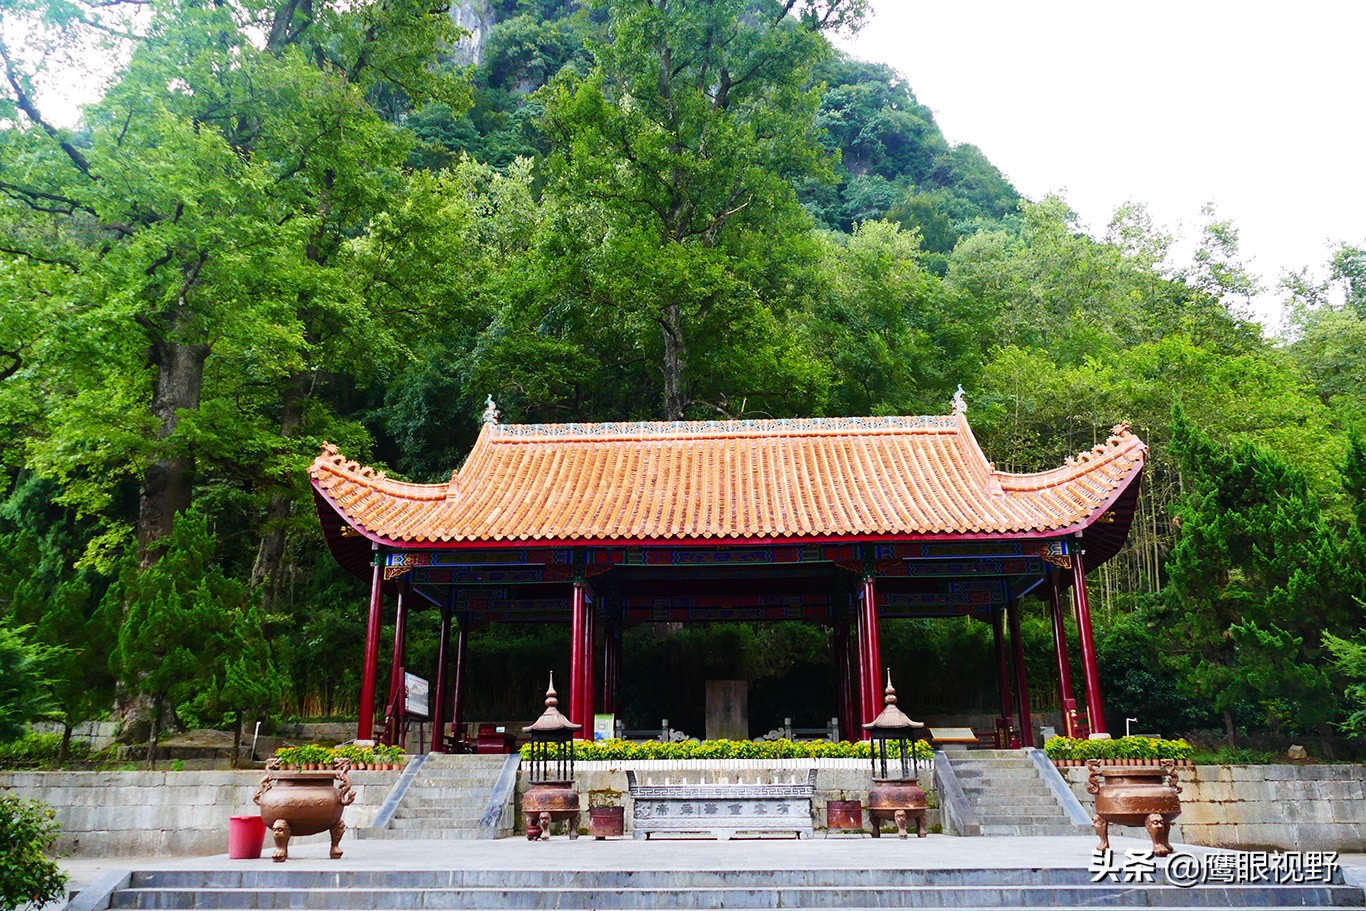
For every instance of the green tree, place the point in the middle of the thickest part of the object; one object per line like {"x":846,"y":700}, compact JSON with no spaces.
{"x":28,"y":876}
{"x":683,"y":141}
{"x":251,"y":686}
{"x":176,"y":621}
{"x":1256,"y":577}
{"x":39,"y":543}
{"x":24,"y":693}
{"x":900,"y":343}
{"x":195,"y":219}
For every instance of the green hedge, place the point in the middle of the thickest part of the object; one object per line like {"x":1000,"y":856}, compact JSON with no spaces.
{"x":1117,"y":748}
{"x":315,"y":754}
{"x":613,"y":750}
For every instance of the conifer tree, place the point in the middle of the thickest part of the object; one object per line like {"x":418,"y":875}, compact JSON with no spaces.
{"x":175,"y":621}
{"x":1256,"y":577}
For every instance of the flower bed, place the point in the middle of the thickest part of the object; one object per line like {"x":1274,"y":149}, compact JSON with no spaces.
{"x":312,"y":756}
{"x":1068,"y":751}
{"x":613,"y":750}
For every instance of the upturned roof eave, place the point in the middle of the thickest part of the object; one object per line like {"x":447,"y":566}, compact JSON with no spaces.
{"x":725,"y":541}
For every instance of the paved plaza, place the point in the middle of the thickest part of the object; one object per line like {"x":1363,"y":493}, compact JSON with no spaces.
{"x":836,"y":852}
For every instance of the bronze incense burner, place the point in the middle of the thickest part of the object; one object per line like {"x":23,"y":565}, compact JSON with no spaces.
{"x":1146,"y":796}
{"x":305,"y":803}
{"x":895,"y":797}
{"x":551,"y":795}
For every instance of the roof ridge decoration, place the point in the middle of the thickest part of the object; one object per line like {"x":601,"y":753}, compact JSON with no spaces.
{"x":332,"y":455}
{"x":741,"y":427}
{"x":491,"y":411}
{"x":1115,"y":439}
{"x":958,"y":404}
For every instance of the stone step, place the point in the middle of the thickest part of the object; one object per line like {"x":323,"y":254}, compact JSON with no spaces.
{"x":285,"y":877}
{"x":1023,"y":800}
{"x":1060,"y":828}
{"x":1011,"y":791}
{"x":453,"y":781}
{"x":468,"y":821}
{"x":433,"y":794}
{"x":420,"y":834}
{"x":841,"y":896}
{"x":1022,"y":819}
{"x":1009,"y":774}
{"x":474,"y":808}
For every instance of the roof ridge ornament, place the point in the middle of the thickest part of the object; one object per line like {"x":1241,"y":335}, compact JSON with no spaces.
{"x":491,"y":411}
{"x":959,"y":404}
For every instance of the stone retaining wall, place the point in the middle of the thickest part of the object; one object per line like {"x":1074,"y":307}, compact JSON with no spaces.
{"x":98,"y":735}
{"x":1282,"y":807}
{"x":162,"y":813}
{"x":836,"y":779}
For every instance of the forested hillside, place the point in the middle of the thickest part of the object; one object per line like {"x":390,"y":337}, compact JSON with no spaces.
{"x":288,"y":222}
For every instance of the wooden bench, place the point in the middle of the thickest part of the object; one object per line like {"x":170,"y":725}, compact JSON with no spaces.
{"x":721,"y":809}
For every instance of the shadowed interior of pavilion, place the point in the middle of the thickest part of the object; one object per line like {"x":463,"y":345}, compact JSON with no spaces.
{"x":839,"y":522}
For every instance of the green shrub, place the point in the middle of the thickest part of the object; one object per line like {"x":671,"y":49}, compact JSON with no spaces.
{"x":1060,"y":748}
{"x":289,"y":756}
{"x":358,"y":755}
{"x":27,"y":874}
{"x":625,"y":750}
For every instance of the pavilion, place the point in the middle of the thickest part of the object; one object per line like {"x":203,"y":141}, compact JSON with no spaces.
{"x":839,"y":521}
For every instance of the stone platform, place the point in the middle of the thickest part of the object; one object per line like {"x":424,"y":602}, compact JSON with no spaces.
{"x":850,"y":873}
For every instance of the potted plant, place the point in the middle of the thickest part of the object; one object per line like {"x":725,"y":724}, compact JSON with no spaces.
{"x":288,"y":758}
{"x":606,"y":815}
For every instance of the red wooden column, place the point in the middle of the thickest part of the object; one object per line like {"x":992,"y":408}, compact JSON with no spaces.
{"x":1021,"y":680}
{"x":840,"y":631}
{"x":872,"y":670}
{"x":1002,"y":669}
{"x":611,"y":663}
{"x":576,"y":656}
{"x":857,"y":683}
{"x":438,"y":705}
{"x":365,"y":724}
{"x":458,"y":696}
{"x":394,"y":729}
{"x":1095,"y":710}
{"x":1069,"y":701}
{"x":589,"y":670}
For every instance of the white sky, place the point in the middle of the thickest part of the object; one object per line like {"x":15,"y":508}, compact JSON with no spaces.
{"x":1253,"y":106}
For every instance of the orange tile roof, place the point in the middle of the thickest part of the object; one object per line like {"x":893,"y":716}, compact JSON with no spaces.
{"x":703,"y":481}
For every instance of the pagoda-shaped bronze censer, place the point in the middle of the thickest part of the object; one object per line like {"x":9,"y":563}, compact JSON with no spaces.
{"x":895,"y":797}
{"x":550,"y":795}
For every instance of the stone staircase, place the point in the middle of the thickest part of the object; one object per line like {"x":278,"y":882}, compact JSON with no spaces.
{"x":445,"y":800}
{"x":735,"y":890}
{"x":1009,"y":795}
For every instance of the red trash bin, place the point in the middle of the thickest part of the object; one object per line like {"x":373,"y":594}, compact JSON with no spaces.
{"x":246,"y":836}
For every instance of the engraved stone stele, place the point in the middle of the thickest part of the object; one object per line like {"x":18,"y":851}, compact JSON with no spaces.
{"x":727,"y":710}
{"x":721,"y":809}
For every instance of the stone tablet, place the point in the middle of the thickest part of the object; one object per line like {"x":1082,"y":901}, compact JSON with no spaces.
{"x":727,"y":710}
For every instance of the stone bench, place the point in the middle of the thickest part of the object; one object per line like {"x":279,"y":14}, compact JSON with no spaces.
{"x":722,"y":810}
{"x":953,"y":739}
